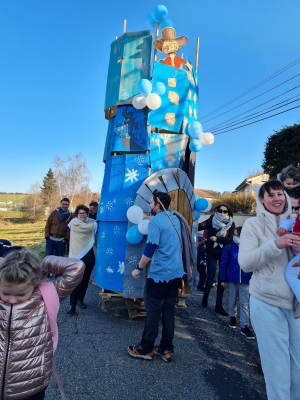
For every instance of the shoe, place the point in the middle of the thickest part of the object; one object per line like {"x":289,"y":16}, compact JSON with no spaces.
{"x":82,"y":304}
{"x":232,"y":323}
{"x":138,"y":352}
{"x":71,"y":310}
{"x":165,"y":355}
{"x":248,"y":333}
{"x":200,"y":288}
{"x":220,"y":310}
{"x":297,"y":311}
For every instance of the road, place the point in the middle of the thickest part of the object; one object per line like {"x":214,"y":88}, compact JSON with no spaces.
{"x":211,"y":361}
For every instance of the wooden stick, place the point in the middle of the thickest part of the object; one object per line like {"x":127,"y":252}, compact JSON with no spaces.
{"x":197,"y":54}
{"x":156,"y":36}
{"x":125,"y":25}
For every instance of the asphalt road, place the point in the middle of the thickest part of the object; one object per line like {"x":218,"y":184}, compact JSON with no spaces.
{"x":211,"y":361}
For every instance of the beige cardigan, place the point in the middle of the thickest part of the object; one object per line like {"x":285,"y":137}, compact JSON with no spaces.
{"x":259,"y":253}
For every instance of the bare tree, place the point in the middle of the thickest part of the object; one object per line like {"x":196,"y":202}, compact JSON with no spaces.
{"x":72,"y":175}
{"x":33,"y":210}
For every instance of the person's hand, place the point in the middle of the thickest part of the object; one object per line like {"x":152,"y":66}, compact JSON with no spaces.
{"x":135,"y":273}
{"x":213,"y":238}
{"x":287,"y":240}
{"x":297,"y":264}
{"x":281,"y":231}
{"x":204,"y":264}
{"x":223,"y":284}
{"x":147,"y":216}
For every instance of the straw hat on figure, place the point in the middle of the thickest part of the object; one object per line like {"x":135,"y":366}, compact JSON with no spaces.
{"x":169,"y":44}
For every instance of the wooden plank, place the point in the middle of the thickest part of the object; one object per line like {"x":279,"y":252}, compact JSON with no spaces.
{"x":184,"y":207}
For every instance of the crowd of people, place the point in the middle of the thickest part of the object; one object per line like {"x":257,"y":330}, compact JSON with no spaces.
{"x":262,"y":259}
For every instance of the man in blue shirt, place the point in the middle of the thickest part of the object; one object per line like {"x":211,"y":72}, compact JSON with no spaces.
{"x":164,"y":249}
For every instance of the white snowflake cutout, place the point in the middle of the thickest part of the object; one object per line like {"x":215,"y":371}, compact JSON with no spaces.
{"x":121,"y":267}
{"x":110,"y":205}
{"x":117,"y":230}
{"x":140,"y":160}
{"x":132,"y":260}
{"x":109,"y":270}
{"x":102,"y":235}
{"x":128,"y":201}
{"x":131,"y":175}
{"x":124,"y":96}
{"x":109,"y":252}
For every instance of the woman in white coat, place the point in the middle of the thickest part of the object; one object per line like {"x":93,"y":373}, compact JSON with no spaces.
{"x":272,"y":300}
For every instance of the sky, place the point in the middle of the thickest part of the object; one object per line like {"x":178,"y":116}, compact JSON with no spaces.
{"x":53,"y":69}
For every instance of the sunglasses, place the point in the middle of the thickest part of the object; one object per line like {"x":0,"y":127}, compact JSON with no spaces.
{"x":223,"y":211}
{"x":296,"y":208}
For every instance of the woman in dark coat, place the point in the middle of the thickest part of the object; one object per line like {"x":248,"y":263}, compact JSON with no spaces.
{"x":220,"y":228}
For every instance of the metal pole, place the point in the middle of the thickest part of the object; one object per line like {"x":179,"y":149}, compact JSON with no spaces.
{"x":197,"y":54}
{"x":125,"y":25}
{"x":156,"y":36}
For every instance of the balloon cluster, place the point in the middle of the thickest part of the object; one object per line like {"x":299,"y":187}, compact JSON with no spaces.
{"x":201,"y":204}
{"x":200,"y":138}
{"x":135,"y":234}
{"x":159,"y":15}
{"x":149,"y":95}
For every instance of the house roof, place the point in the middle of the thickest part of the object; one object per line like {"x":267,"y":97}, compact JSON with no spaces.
{"x":206,"y":193}
{"x":247,"y":181}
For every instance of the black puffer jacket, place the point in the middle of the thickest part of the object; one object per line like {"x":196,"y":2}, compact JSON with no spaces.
{"x":210,"y":249}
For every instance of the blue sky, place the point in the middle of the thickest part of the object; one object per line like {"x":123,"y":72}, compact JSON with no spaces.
{"x":53,"y":68}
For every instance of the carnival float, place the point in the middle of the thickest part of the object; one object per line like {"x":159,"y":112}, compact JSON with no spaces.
{"x":151,"y":143}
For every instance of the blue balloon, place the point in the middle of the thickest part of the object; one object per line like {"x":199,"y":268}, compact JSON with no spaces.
{"x":195,"y":145}
{"x":151,"y":21}
{"x":133,"y":235}
{"x":201,"y":204}
{"x":194,"y":129}
{"x":145,"y":87}
{"x":159,"y":88}
{"x":160,"y":13}
{"x":166,"y":23}
{"x":196,"y":214}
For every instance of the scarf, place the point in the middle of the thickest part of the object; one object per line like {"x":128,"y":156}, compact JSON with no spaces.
{"x":63,"y":215}
{"x":222,"y":224}
{"x":82,"y":237}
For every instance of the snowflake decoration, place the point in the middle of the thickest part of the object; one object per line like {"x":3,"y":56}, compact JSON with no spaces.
{"x":115,"y":79}
{"x":101,"y":210}
{"x":102,"y":235}
{"x":140,"y":160}
{"x":124,"y":96}
{"x":128,"y":287}
{"x":117,"y":230}
{"x":131,"y":175}
{"x":109,"y":205}
{"x":128,"y":201}
{"x":109,"y":270}
{"x":109,"y":252}
{"x":126,"y":81}
{"x":121,"y":267}
{"x":140,"y":65}
{"x":132,"y":260}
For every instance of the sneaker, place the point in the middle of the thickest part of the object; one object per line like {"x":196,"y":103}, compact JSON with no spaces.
{"x":297,"y":311}
{"x":138,"y":352}
{"x":165,"y":355}
{"x":232,"y":323}
{"x":248,"y":333}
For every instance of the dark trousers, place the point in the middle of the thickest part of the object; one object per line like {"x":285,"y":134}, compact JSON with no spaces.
{"x":55,"y":248}
{"x":160,"y":299}
{"x":80,"y":291}
{"x":37,"y":396}
{"x":202,"y":274}
{"x":211,"y":262}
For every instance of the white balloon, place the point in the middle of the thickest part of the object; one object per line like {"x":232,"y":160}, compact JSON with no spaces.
{"x":206,"y":138}
{"x":153,"y":101}
{"x":135,"y":214}
{"x":139,"y":101}
{"x":208,"y":208}
{"x":143,"y":226}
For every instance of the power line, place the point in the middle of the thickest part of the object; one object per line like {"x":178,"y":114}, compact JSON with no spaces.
{"x":256,"y":86}
{"x":245,"y":112}
{"x":254,"y":122}
{"x":259,"y":114}
{"x":253,"y":98}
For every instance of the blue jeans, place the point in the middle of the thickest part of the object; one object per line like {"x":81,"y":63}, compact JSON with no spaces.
{"x":55,"y":248}
{"x":211,"y":262}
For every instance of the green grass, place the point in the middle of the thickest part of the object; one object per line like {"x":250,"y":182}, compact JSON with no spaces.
{"x":13,"y":197}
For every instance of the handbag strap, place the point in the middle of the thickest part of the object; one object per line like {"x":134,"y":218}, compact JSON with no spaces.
{"x":170,"y":220}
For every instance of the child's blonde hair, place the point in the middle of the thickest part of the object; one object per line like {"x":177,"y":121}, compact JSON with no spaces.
{"x":21,"y":266}
{"x":290,"y":172}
